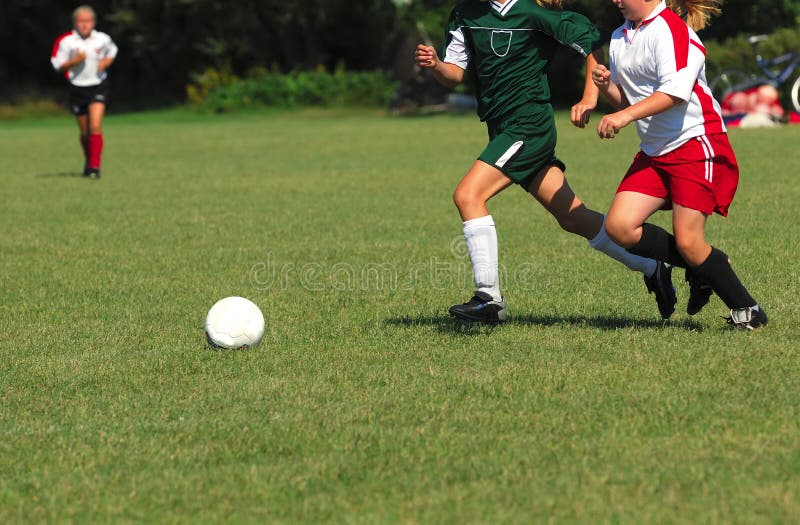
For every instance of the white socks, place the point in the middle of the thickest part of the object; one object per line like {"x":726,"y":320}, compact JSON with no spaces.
{"x":481,"y":238}
{"x":604,"y":243}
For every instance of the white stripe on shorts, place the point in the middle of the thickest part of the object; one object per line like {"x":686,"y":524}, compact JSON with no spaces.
{"x":709,"y":151}
{"x":510,"y":152}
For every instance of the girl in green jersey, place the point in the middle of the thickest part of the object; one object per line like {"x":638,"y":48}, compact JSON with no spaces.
{"x":506,"y":47}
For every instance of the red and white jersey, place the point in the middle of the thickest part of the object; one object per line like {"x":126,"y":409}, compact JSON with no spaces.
{"x":664,"y":54}
{"x":97,"y":46}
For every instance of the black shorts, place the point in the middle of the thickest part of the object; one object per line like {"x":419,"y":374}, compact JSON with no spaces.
{"x":81,"y":96}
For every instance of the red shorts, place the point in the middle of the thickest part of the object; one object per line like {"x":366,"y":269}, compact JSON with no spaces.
{"x":702,"y":174}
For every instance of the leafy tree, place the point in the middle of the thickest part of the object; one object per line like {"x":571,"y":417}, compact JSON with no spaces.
{"x":163,"y":42}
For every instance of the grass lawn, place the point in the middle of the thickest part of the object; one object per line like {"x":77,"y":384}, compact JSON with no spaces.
{"x":365,"y":403}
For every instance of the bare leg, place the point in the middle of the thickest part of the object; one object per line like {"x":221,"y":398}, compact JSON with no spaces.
{"x":552,"y":191}
{"x":83,"y":124}
{"x":689,"y":227}
{"x":83,"y":127}
{"x":629,"y":211}
{"x":481,"y":183}
{"x":97,"y":111}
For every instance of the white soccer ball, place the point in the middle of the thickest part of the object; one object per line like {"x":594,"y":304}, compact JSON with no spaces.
{"x":234,"y":322}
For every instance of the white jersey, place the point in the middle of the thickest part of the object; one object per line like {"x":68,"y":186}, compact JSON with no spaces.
{"x":665,"y":55}
{"x":97,"y":46}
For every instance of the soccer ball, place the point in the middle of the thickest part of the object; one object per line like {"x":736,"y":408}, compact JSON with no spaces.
{"x":234,"y":322}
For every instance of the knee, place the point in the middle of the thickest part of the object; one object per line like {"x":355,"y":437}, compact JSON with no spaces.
{"x":465,"y":199}
{"x":621,"y":232}
{"x":691,"y":247}
{"x":95,"y":130}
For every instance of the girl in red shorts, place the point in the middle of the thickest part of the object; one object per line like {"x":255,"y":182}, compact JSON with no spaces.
{"x":657,"y":79}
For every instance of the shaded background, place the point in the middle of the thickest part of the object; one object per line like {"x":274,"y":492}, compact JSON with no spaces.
{"x":164,"y":42}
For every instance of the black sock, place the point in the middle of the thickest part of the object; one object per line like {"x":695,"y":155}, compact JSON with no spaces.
{"x":656,"y":243}
{"x":716,"y":270}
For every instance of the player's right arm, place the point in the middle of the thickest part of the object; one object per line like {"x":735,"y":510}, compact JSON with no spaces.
{"x":79,"y":57}
{"x":63,"y":58}
{"x":580,"y":112}
{"x":601,"y":77}
{"x":445,"y":73}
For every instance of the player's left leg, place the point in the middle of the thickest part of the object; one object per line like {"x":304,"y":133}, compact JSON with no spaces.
{"x":96,"y":113}
{"x":83,"y":126}
{"x":712,"y":266}
{"x":553,"y":192}
{"x":480,"y":184}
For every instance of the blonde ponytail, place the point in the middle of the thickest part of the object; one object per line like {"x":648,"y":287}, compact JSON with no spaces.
{"x":697,"y":13}
{"x":551,"y":4}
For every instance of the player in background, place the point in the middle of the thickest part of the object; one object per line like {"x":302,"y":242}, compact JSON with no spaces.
{"x":84,"y":55}
{"x":506,"y":46}
{"x":657,"y":79}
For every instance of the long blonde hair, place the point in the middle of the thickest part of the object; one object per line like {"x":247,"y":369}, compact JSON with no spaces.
{"x":552,"y":4}
{"x":697,"y":13}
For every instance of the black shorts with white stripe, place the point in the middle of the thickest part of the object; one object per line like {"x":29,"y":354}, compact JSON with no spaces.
{"x":80,"y":97}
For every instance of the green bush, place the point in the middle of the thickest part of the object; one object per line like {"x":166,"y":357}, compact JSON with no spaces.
{"x":214,"y":91}
{"x":207,"y":81}
{"x":32,"y":108}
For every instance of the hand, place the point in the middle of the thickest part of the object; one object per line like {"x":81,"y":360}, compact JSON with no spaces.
{"x":426,"y":57}
{"x":79,"y":57}
{"x":601,"y":76}
{"x":103,"y":64}
{"x":610,"y":125}
{"x":580,"y":113}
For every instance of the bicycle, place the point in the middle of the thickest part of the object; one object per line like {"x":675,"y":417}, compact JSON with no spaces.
{"x":732,"y":79}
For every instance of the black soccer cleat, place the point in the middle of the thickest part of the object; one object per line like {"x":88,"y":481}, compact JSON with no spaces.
{"x":482,"y":308}
{"x":699,"y":293}
{"x":660,"y":284}
{"x":86,"y":171}
{"x":94,"y":172}
{"x":748,"y":318}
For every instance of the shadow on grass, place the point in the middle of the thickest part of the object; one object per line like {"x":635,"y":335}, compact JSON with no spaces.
{"x":451,"y":325}
{"x":60,"y":174}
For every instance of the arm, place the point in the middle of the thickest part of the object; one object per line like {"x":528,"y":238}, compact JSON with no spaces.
{"x":61,"y":59}
{"x":104,"y":64}
{"x":74,"y":61}
{"x":656,"y":103}
{"x":110,"y":55}
{"x":582,"y":110}
{"x":601,"y":77}
{"x":449,"y":75}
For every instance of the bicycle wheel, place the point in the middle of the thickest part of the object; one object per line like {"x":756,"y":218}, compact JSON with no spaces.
{"x":730,"y":80}
{"x":794,"y":94}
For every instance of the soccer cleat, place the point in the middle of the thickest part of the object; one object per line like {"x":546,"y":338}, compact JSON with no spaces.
{"x":660,"y":284}
{"x":94,"y":172}
{"x":86,"y":171}
{"x":699,"y":293}
{"x":482,"y":308}
{"x":748,"y":318}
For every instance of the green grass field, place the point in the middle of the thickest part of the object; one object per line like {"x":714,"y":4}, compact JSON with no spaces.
{"x":365,"y":403}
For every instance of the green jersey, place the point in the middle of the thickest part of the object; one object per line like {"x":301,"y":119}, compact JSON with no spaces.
{"x":507,"y":49}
